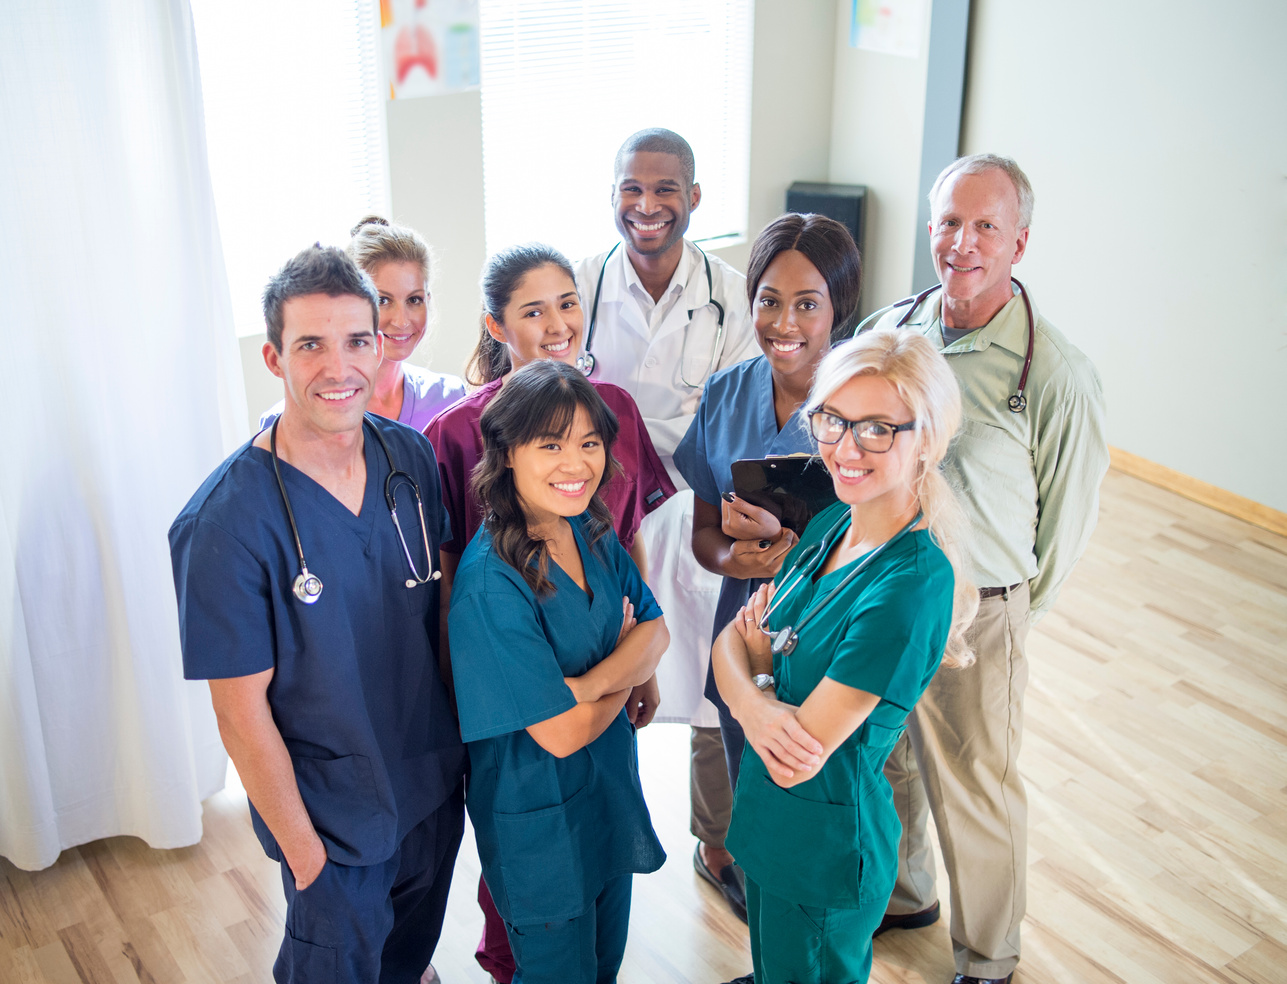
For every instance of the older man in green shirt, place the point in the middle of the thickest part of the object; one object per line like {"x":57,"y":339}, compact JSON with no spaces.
{"x":1028,"y":463}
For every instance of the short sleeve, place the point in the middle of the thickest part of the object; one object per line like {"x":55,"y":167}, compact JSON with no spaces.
{"x":648,"y":483}
{"x":690,"y":454}
{"x":225,"y":606}
{"x":895,"y":638}
{"x":507,"y":676}
{"x":631,"y":581}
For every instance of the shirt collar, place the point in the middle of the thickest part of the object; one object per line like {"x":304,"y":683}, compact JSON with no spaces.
{"x":1008,"y":327}
{"x":679,"y":281}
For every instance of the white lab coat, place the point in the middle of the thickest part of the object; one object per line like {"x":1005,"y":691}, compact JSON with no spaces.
{"x":656,"y":368}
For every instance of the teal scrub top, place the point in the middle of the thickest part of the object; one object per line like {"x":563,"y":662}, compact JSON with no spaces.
{"x":832,"y":841}
{"x":551,"y":832}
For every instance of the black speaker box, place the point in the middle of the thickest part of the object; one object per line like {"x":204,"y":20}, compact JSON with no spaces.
{"x":845,"y":203}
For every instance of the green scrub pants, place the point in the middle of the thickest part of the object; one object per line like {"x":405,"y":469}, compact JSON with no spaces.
{"x":804,"y":944}
{"x":585,"y":950}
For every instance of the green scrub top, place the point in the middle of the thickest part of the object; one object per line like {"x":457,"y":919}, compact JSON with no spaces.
{"x":832,"y":841}
{"x":551,"y":832}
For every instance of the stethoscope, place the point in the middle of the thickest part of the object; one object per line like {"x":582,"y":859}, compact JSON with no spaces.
{"x":308,"y":586}
{"x":1017,"y":401}
{"x":784,"y":641}
{"x":587,"y":361}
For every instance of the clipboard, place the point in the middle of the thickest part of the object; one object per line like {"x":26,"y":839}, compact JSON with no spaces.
{"x":794,"y":488}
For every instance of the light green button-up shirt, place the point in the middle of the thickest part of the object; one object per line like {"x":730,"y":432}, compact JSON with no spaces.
{"x":1029,"y":481}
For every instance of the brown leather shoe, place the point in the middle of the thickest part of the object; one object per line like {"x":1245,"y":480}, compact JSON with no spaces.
{"x":908,"y":920}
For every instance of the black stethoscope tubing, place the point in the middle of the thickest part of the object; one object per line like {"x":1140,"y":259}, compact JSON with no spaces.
{"x":785,"y":639}
{"x":307,"y":586}
{"x":1017,"y":401}
{"x":586,"y":362}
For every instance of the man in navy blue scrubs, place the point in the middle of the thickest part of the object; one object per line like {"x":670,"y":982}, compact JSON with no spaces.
{"x":333,"y":708}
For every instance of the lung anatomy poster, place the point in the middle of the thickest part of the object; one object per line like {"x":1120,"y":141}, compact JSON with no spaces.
{"x":430,"y":46}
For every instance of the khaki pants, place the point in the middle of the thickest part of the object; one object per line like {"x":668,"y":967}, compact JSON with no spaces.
{"x":959,"y":760}
{"x":710,"y":796}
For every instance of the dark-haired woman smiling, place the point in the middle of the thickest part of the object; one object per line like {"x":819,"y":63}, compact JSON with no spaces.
{"x":544,"y":663}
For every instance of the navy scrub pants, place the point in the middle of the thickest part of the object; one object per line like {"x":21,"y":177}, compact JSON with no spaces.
{"x":587,"y":949}
{"x":378,"y":922}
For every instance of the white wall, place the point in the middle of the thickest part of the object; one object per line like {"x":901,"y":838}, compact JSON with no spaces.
{"x":436,"y":184}
{"x":877,"y":115}
{"x":1153,"y":134}
{"x":791,"y":90}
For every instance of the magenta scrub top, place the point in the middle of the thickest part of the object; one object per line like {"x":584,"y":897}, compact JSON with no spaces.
{"x":642,"y":486}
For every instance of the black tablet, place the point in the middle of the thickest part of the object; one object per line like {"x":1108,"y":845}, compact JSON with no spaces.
{"x":794,"y":488}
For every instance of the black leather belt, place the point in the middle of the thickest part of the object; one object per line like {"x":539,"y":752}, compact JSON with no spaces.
{"x":999,"y":592}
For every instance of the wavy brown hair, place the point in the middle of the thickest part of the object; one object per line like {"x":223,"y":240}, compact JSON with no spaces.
{"x":538,"y":402}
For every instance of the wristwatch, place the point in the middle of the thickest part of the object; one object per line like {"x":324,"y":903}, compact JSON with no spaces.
{"x":764,"y":681}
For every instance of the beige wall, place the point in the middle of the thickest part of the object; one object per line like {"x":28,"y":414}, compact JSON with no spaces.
{"x":1154,"y":138}
{"x":877,"y":114}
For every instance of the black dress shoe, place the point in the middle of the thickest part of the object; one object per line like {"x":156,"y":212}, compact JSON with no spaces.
{"x":962,"y":979}
{"x":729,"y":885}
{"x":908,"y":920}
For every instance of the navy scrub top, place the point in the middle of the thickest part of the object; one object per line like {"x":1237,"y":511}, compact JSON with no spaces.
{"x":551,"y":832}
{"x":735,"y":420}
{"x":356,"y":691}
{"x":832,"y":841}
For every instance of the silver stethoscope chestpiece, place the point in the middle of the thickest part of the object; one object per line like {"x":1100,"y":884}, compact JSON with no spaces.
{"x":585,"y":363}
{"x":784,"y":642}
{"x":307,"y":587}
{"x":1017,"y":403}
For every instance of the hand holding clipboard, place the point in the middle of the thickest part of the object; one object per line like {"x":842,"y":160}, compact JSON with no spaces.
{"x":793,"y":488}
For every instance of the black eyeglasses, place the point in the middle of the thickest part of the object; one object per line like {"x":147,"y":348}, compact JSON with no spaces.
{"x":876,"y":436}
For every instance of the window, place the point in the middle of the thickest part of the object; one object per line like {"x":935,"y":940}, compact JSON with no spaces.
{"x":564,"y":82}
{"x":294,"y":128}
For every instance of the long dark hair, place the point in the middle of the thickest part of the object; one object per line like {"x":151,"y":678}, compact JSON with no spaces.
{"x":829,"y":246}
{"x":501,"y":277}
{"x":539,"y":400}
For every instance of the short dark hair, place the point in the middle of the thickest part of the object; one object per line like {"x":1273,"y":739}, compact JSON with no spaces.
{"x":316,"y":270}
{"x":656,"y":140}
{"x":539,"y":400}
{"x":501,"y":277}
{"x":829,"y":246}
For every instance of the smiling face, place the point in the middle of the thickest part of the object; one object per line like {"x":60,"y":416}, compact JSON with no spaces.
{"x":404,"y":307}
{"x":975,"y":239}
{"x":793,"y":316}
{"x":652,"y":202}
{"x":542,"y":319}
{"x":557,"y":475}
{"x":329,"y":359}
{"x":864,"y":477}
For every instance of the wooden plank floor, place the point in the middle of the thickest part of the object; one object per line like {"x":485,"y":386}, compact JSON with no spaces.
{"x":1156,"y":760}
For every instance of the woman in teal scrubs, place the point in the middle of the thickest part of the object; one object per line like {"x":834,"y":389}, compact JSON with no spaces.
{"x":864,"y":610}
{"x":551,"y":626}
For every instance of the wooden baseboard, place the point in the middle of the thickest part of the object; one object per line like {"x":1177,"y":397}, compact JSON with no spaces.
{"x":1199,"y":491}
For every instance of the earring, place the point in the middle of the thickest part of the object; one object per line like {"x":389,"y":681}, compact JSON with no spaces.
{"x":923,"y":456}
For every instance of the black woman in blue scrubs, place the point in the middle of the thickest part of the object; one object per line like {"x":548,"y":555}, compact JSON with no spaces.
{"x":551,"y":626}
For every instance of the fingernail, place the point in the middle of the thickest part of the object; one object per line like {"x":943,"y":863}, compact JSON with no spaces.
{"x":727,"y":496}
{"x":764,"y":544}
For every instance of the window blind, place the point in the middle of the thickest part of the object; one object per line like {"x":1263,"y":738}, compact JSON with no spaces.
{"x":294,"y":127}
{"x":564,"y":82}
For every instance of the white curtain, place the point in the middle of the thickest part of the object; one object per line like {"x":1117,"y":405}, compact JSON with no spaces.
{"x":122,"y":390}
